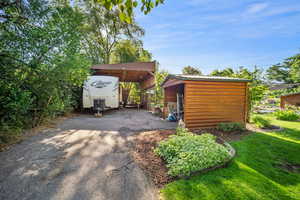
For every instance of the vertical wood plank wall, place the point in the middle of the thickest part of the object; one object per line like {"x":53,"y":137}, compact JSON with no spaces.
{"x":209,"y":103}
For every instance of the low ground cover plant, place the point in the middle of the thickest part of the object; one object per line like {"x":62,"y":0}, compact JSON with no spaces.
{"x":186,"y":152}
{"x":261,"y":122}
{"x":265,"y":168}
{"x":288,"y":115}
{"x":230,"y":126}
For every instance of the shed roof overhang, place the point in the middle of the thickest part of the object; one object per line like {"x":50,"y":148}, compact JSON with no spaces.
{"x":142,"y":72}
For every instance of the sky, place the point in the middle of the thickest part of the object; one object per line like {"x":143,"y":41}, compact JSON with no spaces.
{"x":215,"y":34}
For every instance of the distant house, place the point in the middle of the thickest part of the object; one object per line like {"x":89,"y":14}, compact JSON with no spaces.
{"x":205,"y":101}
{"x":291,"y":99}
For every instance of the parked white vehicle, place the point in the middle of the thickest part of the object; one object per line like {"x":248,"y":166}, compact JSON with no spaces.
{"x":101,"y":87}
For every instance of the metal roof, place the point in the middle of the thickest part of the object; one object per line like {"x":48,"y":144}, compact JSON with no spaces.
{"x":203,"y":78}
{"x":297,"y":93}
{"x":284,"y":86}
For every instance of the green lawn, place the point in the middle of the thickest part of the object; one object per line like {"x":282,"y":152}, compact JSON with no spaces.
{"x":255,"y":173}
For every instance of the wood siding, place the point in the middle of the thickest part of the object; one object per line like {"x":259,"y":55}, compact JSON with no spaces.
{"x":209,"y":103}
{"x":293,"y":99}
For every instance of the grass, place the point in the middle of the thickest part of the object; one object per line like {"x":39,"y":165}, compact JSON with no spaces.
{"x":257,"y":172}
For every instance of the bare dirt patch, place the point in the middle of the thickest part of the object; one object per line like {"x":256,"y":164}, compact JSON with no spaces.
{"x":272,"y":128}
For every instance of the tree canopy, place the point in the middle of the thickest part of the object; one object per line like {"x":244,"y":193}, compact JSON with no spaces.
{"x":47,"y":48}
{"x":286,"y":72}
{"x":189,"y":70}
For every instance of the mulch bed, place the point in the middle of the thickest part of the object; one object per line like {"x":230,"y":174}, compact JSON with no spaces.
{"x":147,"y":160}
{"x":227,"y":136}
{"x":153,"y":165}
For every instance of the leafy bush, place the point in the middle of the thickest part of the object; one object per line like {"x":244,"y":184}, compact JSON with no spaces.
{"x":288,"y":115}
{"x":231,"y":126}
{"x":186,"y":152}
{"x":261,"y":122}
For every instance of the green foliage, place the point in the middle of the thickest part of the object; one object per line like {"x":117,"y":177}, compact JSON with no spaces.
{"x":257,"y":93}
{"x":127,"y":51}
{"x":228,"y":72}
{"x":125,"y":8}
{"x":261,"y":122}
{"x":264,"y":168}
{"x":186,"y":153}
{"x":104,"y":30}
{"x":158,"y":96}
{"x":41,"y":64}
{"x":191,"y":71}
{"x":131,"y":51}
{"x":288,"y":115}
{"x":231,"y":126}
{"x":286,"y":72}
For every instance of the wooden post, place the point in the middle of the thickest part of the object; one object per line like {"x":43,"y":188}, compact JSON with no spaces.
{"x":247,"y":103}
{"x":282,"y":103}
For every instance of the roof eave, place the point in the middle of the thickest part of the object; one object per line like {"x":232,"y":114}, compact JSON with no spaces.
{"x":172,"y":76}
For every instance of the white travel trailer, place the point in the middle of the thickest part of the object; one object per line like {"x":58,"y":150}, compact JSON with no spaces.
{"x":101,"y":87}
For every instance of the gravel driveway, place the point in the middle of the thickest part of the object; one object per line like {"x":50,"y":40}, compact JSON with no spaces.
{"x":82,"y":158}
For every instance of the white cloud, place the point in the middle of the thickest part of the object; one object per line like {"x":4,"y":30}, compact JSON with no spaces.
{"x":258,"y":7}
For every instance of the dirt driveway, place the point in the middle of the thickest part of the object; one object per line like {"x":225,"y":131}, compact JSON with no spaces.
{"x":82,"y":158}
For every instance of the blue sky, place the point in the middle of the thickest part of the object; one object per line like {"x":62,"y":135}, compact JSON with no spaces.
{"x":214,"y":34}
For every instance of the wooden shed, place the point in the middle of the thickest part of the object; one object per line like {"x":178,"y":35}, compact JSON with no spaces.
{"x":205,"y":101}
{"x":291,"y":99}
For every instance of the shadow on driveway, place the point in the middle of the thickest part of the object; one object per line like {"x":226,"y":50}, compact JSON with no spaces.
{"x":82,"y":158}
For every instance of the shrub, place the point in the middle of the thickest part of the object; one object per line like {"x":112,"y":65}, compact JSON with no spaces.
{"x":261,"y":122}
{"x":186,"y":153}
{"x":231,"y":126}
{"x":288,"y":115}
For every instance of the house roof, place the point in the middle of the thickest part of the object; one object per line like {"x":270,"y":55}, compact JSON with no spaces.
{"x":184,"y":77}
{"x":297,"y":93}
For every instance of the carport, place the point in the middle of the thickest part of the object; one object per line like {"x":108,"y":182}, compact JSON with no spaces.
{"x":205,"y":101}
{"x":139,"y":72}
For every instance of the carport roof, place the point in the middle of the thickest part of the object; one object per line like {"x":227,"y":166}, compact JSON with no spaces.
{"x":127,"y":72}
{"x":184,"y":77}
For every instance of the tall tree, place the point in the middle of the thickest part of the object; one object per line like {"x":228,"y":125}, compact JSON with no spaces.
{"x":225,"y":72}
{"x":125,"y":8}
{"x":130,"y":51}
{"x":189,"y":70}
{"x":104,"y":30}
{"x":40,"y":62}
{"x":160,"y":76}
{"x":286,"y":72}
